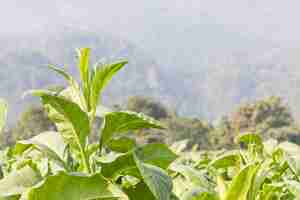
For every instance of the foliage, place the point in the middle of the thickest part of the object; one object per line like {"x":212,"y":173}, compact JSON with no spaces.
{"x":269,"y":116}
{"x":262,"y":171}
{"x":263,"y":114}
{"x":33,"y":121}
{"x":148,"y":106}
{"x":65,"y":165}
{"x":195,"y":130}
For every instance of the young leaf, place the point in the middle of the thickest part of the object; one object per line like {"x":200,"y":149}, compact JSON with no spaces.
{"x":64,"y":186}
{"x":102,"y":75}
{"x":73,"y":91}
{"x":83,"y":65}
{"x":122,"y":121}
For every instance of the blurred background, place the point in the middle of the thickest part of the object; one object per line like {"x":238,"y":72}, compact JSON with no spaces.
{"x":206,"y":68}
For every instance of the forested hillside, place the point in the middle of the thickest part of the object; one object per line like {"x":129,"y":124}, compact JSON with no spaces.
{"x":24,"y":59}
{"x":224,"y":76}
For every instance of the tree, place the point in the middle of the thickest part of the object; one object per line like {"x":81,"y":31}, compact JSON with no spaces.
{"x":148,"y":106}
{"x":32,"y":121}
{"x":262,"y":115}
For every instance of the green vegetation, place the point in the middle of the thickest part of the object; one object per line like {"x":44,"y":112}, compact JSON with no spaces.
{"x":84,"y":170}
{"x":260,"y":171}
{"x":76,"y":148}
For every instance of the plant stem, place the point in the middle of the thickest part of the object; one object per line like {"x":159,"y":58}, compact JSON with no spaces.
{"x":85,"y":160}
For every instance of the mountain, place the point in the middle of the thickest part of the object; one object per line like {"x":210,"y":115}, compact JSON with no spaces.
{"x":223,"y":68}
{"x":23,"y":61}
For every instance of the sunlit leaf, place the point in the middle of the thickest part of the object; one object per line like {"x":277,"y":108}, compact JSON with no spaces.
{"x":124,"y":121}
{"x":64,"y":186}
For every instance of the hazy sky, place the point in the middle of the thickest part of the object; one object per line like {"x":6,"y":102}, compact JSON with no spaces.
{"x":272,"y":19}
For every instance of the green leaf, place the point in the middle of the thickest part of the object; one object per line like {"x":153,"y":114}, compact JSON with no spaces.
{"x":84,"y":57}
{"x":138,"y":191}
{"x":242,"y":183}
{"x":158,"y":182}
{"x":197,"y":193}
{"x":271,"y":191}
{"x":118,"y":166}
{"x":101,"y":77}
{"x":293,"y":187}
{"x":3,"y":113}
{"x":250,"y":138}
{"x":124,"y":121}
{"x":192,"y":175}
{"x":229,"y":159}
{"x":49,"y":143}
{"x":18,"y":181}
{"x":121,"y":144}
{"x":155,"y":154}
{"x":64,"y":186}
{"x":71,"y":121}
{"x":15,"y":197}
{"x":62,"y":72}
{"x":73,"y":91}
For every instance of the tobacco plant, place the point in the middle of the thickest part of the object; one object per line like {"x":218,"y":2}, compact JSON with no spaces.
{"x":65,"y":165}
{"x":257,"y":171}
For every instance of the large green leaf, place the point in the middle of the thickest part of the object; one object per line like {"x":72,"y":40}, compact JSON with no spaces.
{"x":71,"y":121}
{"x":3,"y":113}
{"x":63,"y":186}
{"x":49,"y":143}
{"x":101,"y":77}
{"x":241,"y":184}
{"x":155,"y":154}
{"x":124,"y":121}
{"x":194,"y":176}
{"x":158,"y":182}
{"x":145,"y":163}
{"x":121,"y":144}
{"x":18,"y":181}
